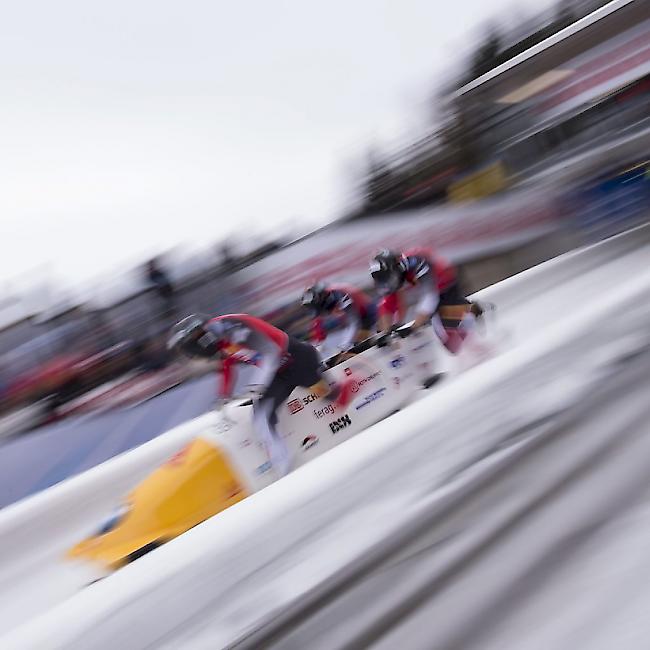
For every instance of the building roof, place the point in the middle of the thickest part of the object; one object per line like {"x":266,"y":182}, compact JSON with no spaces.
{"x":577,"y":38}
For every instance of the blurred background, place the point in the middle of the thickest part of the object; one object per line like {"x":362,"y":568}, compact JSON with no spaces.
{"x":156,"y":165}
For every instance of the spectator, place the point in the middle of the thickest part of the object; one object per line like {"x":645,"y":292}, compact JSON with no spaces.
{"x":162,"y":285}
{"x":160,"y":280}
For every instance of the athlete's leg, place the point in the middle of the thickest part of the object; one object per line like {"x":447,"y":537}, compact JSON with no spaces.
{"x":457,"y":317}
{"x":306,"y":370}
{"x":265,"y":420}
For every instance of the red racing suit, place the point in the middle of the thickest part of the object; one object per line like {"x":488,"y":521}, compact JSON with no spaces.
{"x":263,"y":360}
{"x":251,"y":352}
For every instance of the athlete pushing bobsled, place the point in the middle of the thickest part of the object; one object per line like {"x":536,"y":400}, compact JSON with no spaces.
{"x":341,"y":312}
{"x":438,"y":298}
{"x":257,"y":360}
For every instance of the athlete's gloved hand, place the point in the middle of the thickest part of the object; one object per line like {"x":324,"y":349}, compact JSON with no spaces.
{"x":383,"y":339}
{"x":387,"y":338}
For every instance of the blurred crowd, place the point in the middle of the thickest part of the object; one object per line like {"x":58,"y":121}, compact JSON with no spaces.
{"x":585,"y":92}
{"x":54,"y":357}
{"x":71,"y":352}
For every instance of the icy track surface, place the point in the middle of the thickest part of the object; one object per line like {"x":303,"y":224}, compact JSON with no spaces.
{"x":533,"y":537}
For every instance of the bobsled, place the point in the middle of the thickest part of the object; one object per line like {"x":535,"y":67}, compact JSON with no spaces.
{"x":225,"y":463}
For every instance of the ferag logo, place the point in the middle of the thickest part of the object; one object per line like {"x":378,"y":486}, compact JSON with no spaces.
{"x":294,"y":406}
{"x":328,"y":409}
{"x":340,"y":423}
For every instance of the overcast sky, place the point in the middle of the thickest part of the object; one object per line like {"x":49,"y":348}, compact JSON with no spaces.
{"x":131,"y":126}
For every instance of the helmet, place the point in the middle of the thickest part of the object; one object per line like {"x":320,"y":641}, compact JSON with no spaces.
{"x":387,"y":270}
{"x":318,"y":298}
{"x":191,"y":337}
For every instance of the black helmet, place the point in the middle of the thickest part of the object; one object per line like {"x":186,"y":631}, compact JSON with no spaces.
{"x":317,"y":297}
{"x":387,"y":270}
{"x":191,"y":337}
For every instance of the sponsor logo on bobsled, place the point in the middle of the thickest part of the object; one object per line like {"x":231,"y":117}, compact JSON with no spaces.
{"x":340,"y":423}
{"x":309,"y":442}
{"x":328,"y":409}
{"x":396,"y":381}
{"x":358,"y":384}
{"x":347,"y":371}
{"x":233,"y":490}
{"x":309,"y":398}
{"x":397,"y":362}
{"x":368,"y":399}
{"x":264,"y":467}
{"x":247,"y":442}
{"x":224,"y":425}
{"x":294,"y":406}
{"x":178,"y":457}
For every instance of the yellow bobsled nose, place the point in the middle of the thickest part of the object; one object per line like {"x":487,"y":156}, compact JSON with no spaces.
{"x":193,"y":485}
